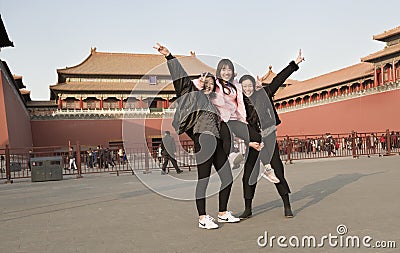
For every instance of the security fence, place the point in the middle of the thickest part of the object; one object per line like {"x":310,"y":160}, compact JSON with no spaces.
{"x":339,"y":145}
{"x":16,"y":162}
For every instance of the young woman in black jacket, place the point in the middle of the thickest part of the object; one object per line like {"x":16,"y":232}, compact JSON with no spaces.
{"x":262,"y":115}
{"x":197,"y":117}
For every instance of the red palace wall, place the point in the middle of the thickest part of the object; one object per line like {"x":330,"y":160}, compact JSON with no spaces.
{"x":14,"y":119}
{"x":134,"y":132}
{"x":370,"y":113}
{"x":3,"y":116}
{"x":87,"y":132}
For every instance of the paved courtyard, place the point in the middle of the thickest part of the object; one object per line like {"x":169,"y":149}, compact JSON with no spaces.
{"x":110,"y":213}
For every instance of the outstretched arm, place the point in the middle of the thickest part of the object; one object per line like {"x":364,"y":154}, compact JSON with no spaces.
{"x":281,"y":77}
{"x":182,"y":82}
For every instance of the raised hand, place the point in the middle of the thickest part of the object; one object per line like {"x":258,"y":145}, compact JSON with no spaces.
{"x":258,"y":83}
{"x":160,"y":48}
{"x":300,"y":58}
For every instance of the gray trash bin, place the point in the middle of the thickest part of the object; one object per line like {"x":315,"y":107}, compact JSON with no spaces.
{"x":46,"y":168}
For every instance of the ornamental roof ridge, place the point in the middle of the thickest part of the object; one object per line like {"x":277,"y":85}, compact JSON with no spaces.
{"x":267,"y":78}
{"x":116,"y":63}
{"x":387,"y":34}
{"x":264,"y":77}
{"x":381,"y":53}
{"x":94,"y":52}
{"x":342,"y":75}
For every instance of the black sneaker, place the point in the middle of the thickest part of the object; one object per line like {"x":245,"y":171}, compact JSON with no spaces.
{"x":288,"y":212}
{"x":246,"y":214}
{"x":179,"y":171}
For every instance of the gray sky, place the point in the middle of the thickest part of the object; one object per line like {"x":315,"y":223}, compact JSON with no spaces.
{"x":50,"y":34}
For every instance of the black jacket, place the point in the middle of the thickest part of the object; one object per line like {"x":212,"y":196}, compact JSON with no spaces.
{"x":193,"y":105}
{"x":257,"y":103}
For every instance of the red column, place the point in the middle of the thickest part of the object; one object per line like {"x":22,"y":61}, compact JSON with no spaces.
{"x":80,"y":103}
{"x":375,"y":78}
{"x":394,"y":71}
{"x":141,"y":103}
{"x":167,"y":103}
{"x":121,"y":103}
{"x":59,"y":103}
{"x":101,"y":103}
{"x":382,"y":74}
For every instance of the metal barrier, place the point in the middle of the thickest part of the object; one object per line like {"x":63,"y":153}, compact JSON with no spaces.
{"x":15,"y":162}
{"x":339,"y":145}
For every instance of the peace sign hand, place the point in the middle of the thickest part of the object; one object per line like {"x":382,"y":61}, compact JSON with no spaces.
{"x":258,"y":83}
{"x":203,"y":76}
{"x":163,"y":50}
{"x":300,"y":58}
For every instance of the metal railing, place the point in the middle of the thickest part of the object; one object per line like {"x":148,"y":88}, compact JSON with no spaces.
{"x":15,"y":162}
{"x":339,"y":145}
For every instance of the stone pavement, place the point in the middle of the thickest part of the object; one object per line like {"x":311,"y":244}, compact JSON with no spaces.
{"x":109,"y":213}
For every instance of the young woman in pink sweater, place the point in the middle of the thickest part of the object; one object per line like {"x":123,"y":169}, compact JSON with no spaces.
{"x":232,"y":111}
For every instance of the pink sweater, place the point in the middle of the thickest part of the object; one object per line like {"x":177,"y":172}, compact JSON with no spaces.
{"x":230,"y":107}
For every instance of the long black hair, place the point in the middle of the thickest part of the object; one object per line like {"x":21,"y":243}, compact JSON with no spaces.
{"x":249,"y":104}
{"x":225,"y":86}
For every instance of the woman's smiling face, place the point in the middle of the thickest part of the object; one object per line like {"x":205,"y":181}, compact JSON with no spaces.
{"x":208,"y":85}
{"x":247,"y":87}
{"x":226,"y":73}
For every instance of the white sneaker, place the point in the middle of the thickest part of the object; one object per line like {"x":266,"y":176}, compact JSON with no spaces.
{"x":228,"y":217}
{"x":269,"y":174}
{"x":235,"y":159}
{"x":207,"y":222}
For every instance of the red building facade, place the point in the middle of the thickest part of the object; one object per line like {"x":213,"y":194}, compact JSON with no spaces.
{"x":96,"y":101}
{"x":114,"y":97}
{"x":362,"y":97}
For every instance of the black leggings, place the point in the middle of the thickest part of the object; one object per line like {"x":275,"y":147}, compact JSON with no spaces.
{"x":251,"y":169}
{"x":241,"y":130}
{"x":209,"y":151}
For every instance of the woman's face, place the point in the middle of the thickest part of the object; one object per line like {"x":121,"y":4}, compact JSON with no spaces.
{"x":208,"y":85}
{"x":226,"y":73}
{"x":247,"y":87}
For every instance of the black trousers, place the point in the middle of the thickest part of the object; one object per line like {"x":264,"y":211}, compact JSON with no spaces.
{"x":173,"y":161}
{"x":241,"y":130}
{"x":209,"y":151}
{"x":251,"y":171}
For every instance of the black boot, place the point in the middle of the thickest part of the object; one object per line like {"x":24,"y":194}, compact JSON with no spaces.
{"x":286,"y":206}
{"x":247,"y":211}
